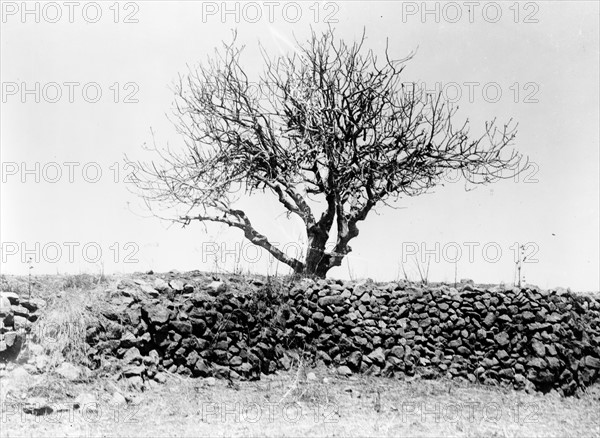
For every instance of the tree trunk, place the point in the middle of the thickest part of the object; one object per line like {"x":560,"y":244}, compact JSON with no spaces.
{"x":317,"y":239}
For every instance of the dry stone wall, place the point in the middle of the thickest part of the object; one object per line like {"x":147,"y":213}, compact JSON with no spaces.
{"x":241,"y":328}
{"x":524,"y":338}
{"x":16,"y":317}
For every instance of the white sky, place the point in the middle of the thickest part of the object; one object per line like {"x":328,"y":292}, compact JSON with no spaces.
{"x":547,"y":72}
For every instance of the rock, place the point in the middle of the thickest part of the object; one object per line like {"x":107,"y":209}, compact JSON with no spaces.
{"x":176,"y":285}
{"x":216,"y":288}
{"x":397,"y":351}
{"x":490,"y":318}
{"x":160,"y":285}
{"x":332,"y":300}
{"x":133,"y":370}
{"x":192,"y":358}
{"x":128,"y":340}
{"x":132,"y":355}
{"x":22,"y":322}
{"x":5,"y":306}
{"x":41,"y":361}
{"x":160,"y":377}
{"x":149,"y":290}
{"x":344,"y":371}
{"x":354,"y":360}
{"x":202,"y":368}
{"x":118,"y":399}
{"x":377,"y":356}
{"x":537,"y":363}
{"x":520,"y":379}
{"x":136,"y":382}
{"x":37,"y":406}
{"x":591,"y":362}
{"x":311,"y":377}
{"x":156,"y":313}
{"x":502,"y":339}
{"x":318,"y":317}
{"x":12,"y":338}
{"x":19,"y":310}
{"x":87,"y":402}
{"x":210,"y":381}
{"x":538,"y":348}
{"x":68,"y":371}
{"x":502,"y":355}
{"x":183,"y":327}
{"x":12,"y":297}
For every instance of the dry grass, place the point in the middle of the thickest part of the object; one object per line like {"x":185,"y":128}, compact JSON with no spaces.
{"x":359,"y":406}
{"x":61,"y":328}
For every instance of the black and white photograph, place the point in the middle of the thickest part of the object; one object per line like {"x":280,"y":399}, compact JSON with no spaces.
{"x":304,"y":218}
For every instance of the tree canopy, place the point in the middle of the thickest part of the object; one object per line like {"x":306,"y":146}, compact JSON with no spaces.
{"x":338,"y":125}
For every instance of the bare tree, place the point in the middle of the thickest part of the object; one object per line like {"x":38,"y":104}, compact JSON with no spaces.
{"x":338,"y":126}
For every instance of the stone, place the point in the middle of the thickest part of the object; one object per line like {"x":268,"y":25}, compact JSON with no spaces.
{"x":377,"y":356}
{"x":11,"y":338}
{"x":332,"y":300}
{"x":318,"y":316}
{"x":216,"y":288}
{"x":397,"y":351}
{"x":502,"y":339}
{"x":537,"y":363}
{"x":502,"y":355}
{"x":68,"y":371}
{"x":344,"y":371}
{"x":489,"y":319}
{"x":183,"y":327}
{"x":87,"y":402}
{"x":538,"y":348}
{"x":134,"y":370}
{"x":176,"y":285}
{"x":5,"y":306}
{"x":128,"y":340}
{"x":118,"y":399}
{"x":149,"y":290}
{"x":354,"y":360}
{"x":37,"y":406}
{"x":160,"y":285}
{"x":201,"y":368}
{"x":157,"y":314}
{"x":192,"y":358}
{"x":12,"y":297}
{"x":210,"y":381}
{"x":591,"y":362}
{"x":160,"y":377}
{"x":132,"y":355}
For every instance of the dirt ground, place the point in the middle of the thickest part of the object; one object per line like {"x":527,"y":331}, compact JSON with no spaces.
{"x":323,"y":405}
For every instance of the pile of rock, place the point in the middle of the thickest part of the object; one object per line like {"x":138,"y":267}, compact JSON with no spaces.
{"x":520,"y":337}
{"x":16,"y":316}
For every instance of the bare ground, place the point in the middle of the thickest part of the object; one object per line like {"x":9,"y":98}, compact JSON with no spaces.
{"x":274,"y":406}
